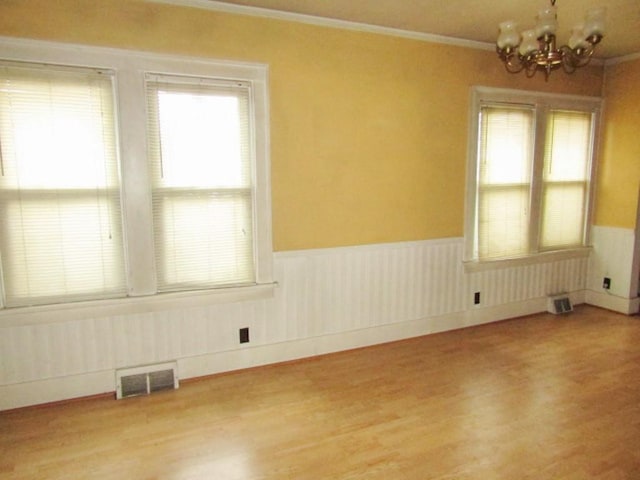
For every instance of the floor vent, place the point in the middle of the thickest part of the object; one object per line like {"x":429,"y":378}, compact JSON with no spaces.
{"x":131,"y":382}
{"x":560,"y":304}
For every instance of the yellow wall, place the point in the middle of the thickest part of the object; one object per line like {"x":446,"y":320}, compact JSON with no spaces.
{"x":619,"y":165}
{"x":369,"y":131}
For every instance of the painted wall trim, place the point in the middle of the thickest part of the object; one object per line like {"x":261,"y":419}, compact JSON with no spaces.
{"x":328,"y":22}
{"x":319,"y":252}
{"x":65,"y":312}
{"x":627,"y":306}
{"x":625,"y":58}
{"x":94,"y":383}
{"x":56,"y":389}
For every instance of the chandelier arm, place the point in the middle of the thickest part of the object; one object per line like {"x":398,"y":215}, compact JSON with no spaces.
{"x":531,"y":69}
{"x":514,"y":67}
{"x":576,"y":58}
{"x":568,"y":68}
{"x":569,"y":61}
{"x":513,"y":62}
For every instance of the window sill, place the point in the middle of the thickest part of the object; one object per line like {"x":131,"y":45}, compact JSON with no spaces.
{"x":42,"y":314}
{"x":472,"y":266}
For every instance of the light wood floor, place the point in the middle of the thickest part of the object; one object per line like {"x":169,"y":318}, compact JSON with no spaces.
{"x":541,"y":397}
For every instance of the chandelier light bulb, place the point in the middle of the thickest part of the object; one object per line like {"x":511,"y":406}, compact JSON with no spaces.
{"x":529,"y":42}
{"x":547,"y":22}
{"x":594,"y":22}
{"x":509,"y":36}
{"x":578,"y":38}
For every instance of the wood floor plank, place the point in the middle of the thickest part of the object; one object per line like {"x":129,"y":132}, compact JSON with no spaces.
{"x":541,"y":397}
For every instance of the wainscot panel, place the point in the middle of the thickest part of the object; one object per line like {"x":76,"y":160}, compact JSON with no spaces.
{"x":327,"y":300}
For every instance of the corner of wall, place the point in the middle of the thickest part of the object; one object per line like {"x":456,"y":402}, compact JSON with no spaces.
{"x":615,"y":255}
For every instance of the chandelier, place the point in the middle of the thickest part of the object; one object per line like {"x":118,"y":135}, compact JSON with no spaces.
{"x":536,"y":49}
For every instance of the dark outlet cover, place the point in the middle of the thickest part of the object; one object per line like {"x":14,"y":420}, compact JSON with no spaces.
{"x":244,"y":335}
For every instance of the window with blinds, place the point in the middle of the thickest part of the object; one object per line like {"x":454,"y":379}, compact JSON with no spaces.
{"x":504,"y":181}
{"x":119,"y":182}
{"x":60,"y":223}
{"x":199,"y":133}
{"x":565,"y":178}
{"x":532,"y":165}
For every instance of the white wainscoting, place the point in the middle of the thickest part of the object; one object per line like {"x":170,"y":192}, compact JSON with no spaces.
{"x":615,"y":255}
{"x":326,"y":300}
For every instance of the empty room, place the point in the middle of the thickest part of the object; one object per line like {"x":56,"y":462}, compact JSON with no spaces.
{"x":423,"y":264}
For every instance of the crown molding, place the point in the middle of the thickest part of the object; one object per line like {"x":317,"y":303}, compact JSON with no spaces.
{"x":625,"y":58}
{"x":326,"y":22}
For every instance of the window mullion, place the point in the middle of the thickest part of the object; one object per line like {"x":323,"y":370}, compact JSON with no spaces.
{"x":139,"y":247}
{"x":590,"y":197}
{"x":535,"y":208}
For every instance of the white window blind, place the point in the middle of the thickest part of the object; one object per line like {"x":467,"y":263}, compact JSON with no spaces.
{"x":504,"y":181}
{"x":565,"y":178}
{"x":60,"y":221}
{"x":201,"y":155}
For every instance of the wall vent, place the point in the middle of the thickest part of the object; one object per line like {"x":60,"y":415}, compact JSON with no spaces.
{"x":131,"y":382}
{"x":559,"y":304}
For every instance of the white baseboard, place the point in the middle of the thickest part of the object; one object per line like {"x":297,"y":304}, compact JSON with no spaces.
{"x":627,"y":306}
{"x":20,"y":395}
{"x":282,"y":352}
{"x":66,"y":388}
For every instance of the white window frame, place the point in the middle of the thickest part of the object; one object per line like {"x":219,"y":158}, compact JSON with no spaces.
{"x":542,"y":103}
{"x":129,"y":68}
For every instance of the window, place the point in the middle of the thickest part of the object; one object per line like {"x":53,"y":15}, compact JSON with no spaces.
{"x":61,"y":228}
{"x":529,"y":174}
{"x":120,"y":182}
{"x":504,"y":180}
{"x":565,"y":178}
{"x":200,"y":153}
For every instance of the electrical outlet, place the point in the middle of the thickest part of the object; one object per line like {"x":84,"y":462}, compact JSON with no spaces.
{"x":476,"y":298}
{"x":244,"y":335}
{"x":606,"y":283}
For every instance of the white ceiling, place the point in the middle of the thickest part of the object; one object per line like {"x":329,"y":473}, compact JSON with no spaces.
{"x":475,"y":20}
